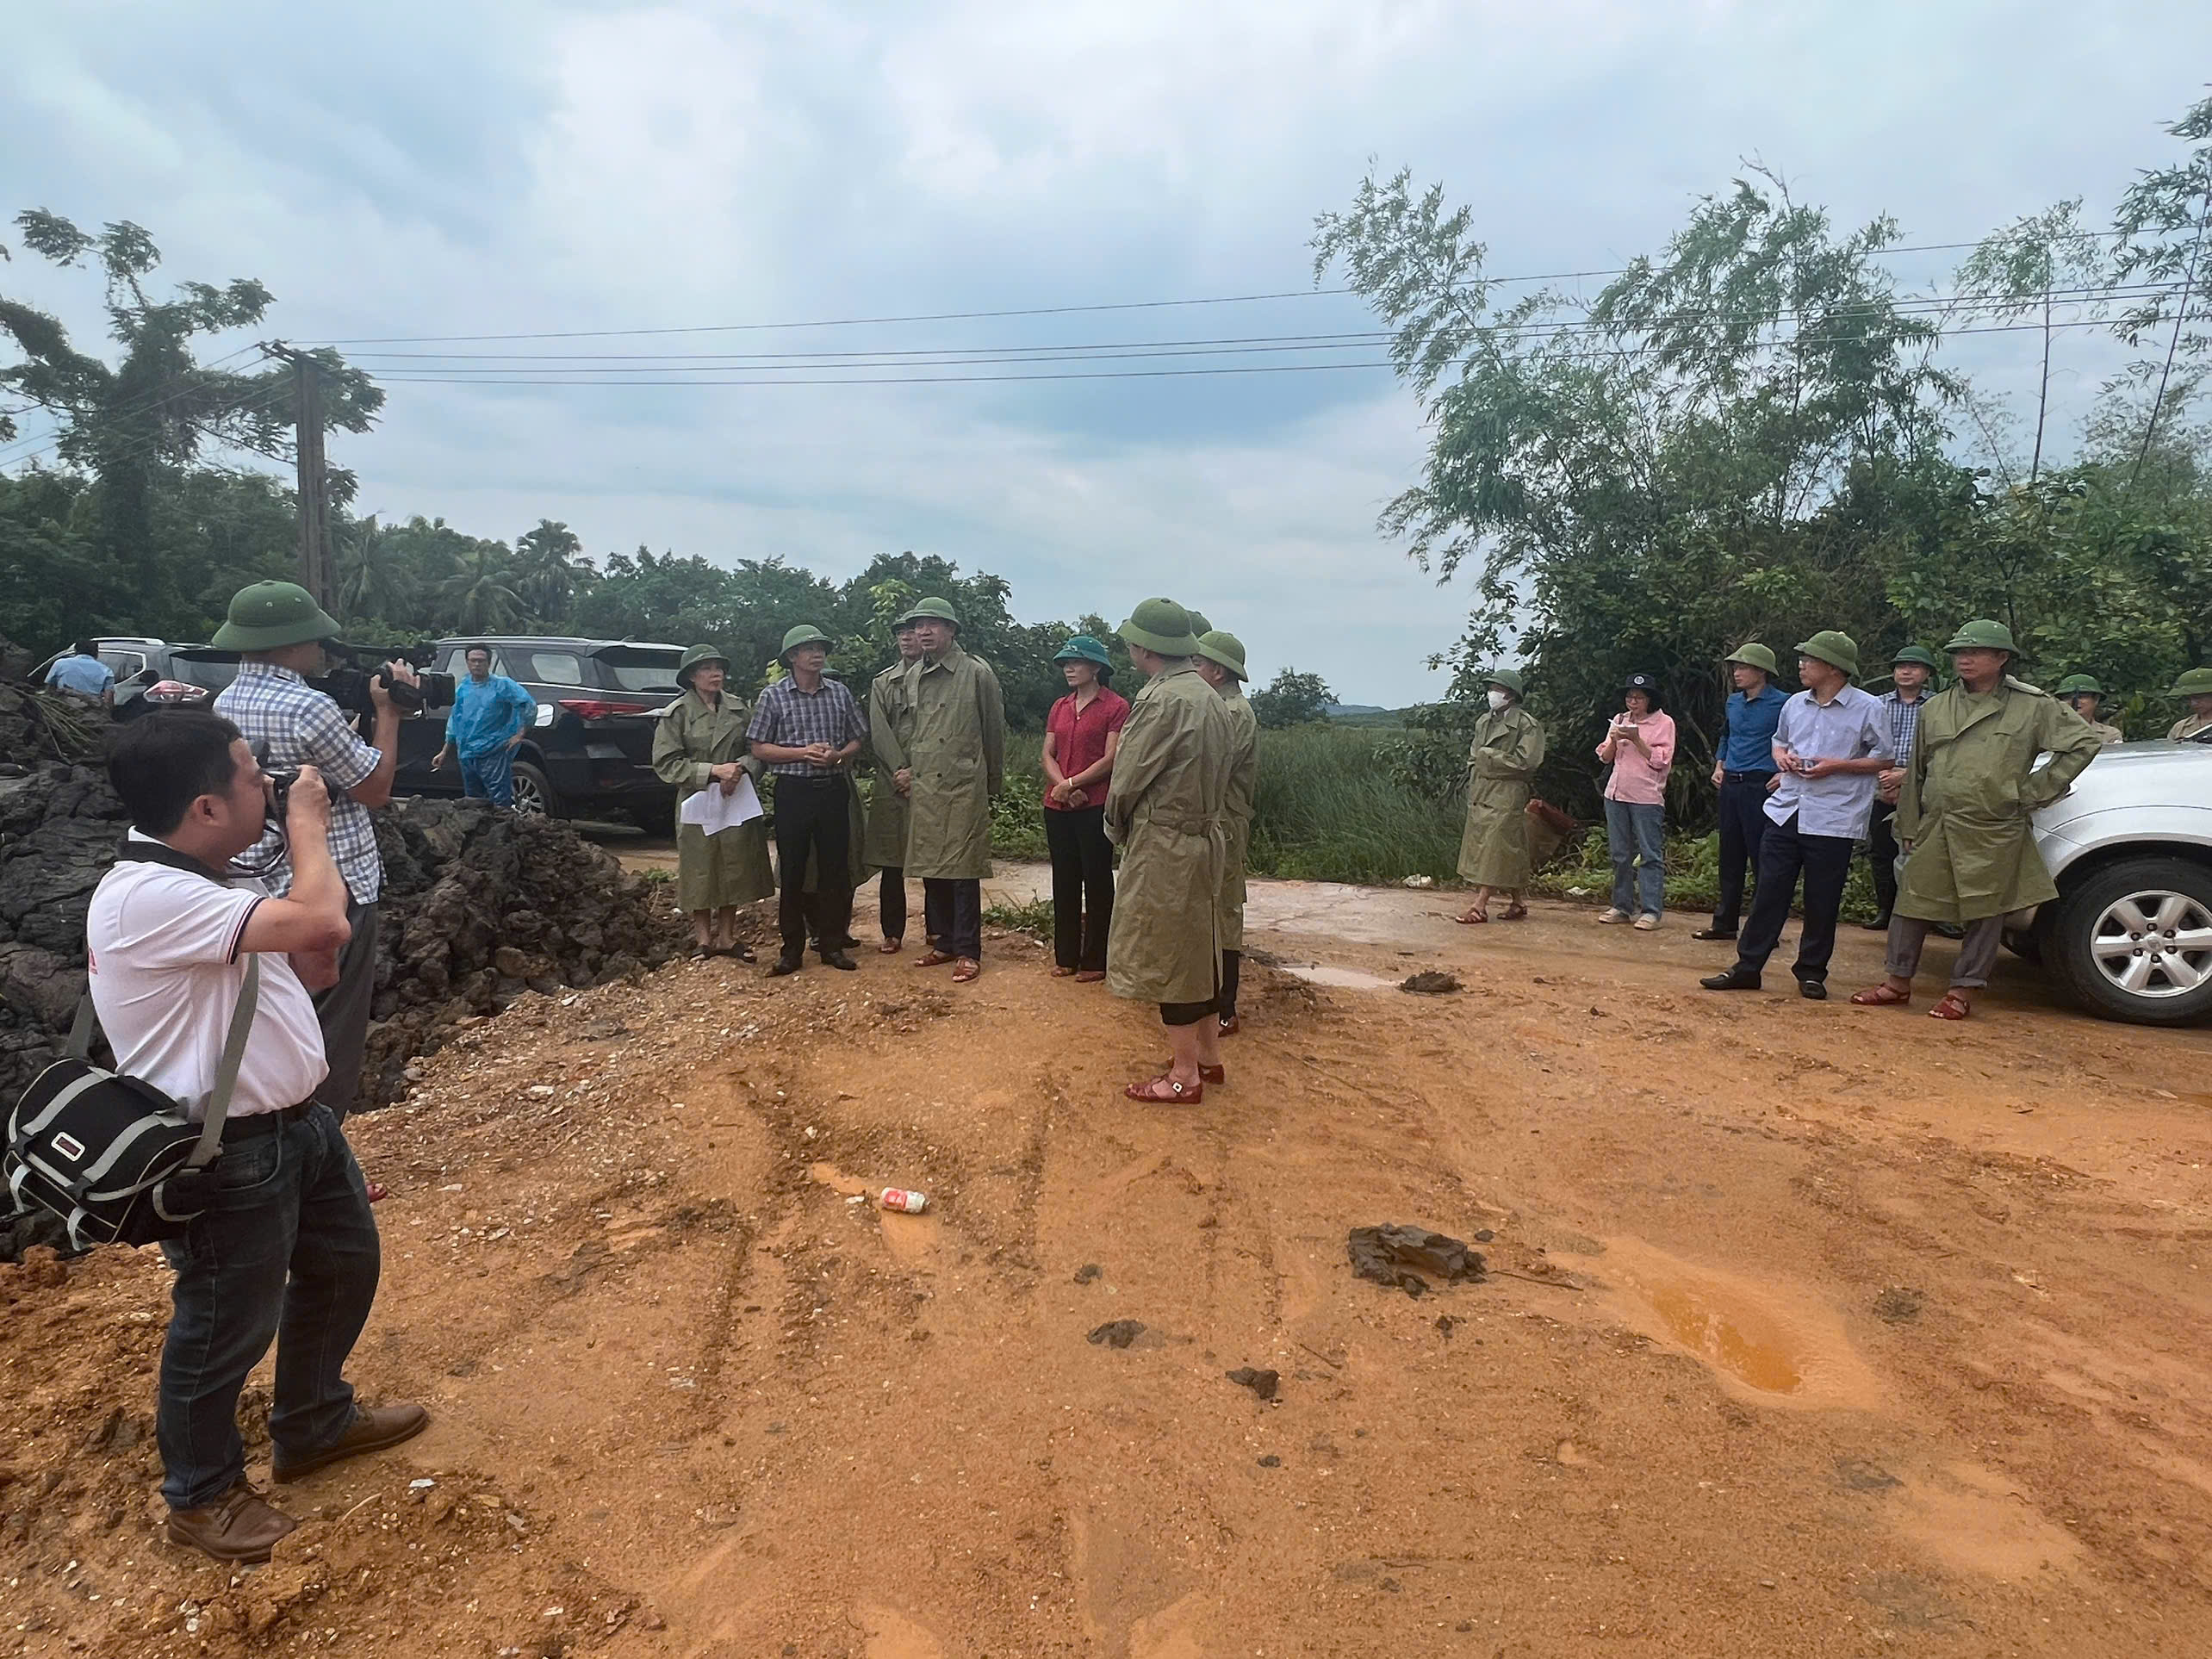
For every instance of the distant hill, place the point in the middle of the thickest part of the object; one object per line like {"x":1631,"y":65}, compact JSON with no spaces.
{"x":1365,"y":714}
{"x":1332,"y":710}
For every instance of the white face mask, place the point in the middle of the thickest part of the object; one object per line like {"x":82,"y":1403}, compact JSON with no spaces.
{"x":1499,"y":700}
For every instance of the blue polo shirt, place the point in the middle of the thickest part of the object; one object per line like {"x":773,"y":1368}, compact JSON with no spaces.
{"x":1749,"y":745}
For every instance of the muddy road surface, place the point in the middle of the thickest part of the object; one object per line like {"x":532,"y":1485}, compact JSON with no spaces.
{"x":1807,"y":1330}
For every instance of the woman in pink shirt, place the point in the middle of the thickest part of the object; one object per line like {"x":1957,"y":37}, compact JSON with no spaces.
{"x":1639,"y":746}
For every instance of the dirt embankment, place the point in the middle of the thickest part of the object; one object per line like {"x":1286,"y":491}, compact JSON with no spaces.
{"x":1806,"y":1329}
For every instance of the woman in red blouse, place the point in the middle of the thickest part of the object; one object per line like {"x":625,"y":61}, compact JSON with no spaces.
{"x":1081,"y":734}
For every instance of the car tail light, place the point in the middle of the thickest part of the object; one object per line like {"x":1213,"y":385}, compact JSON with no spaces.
{"x":592,"y":708}
{"x":175,"y":691}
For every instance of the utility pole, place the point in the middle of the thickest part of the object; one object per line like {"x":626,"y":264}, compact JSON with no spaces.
{"x":314,"y":490}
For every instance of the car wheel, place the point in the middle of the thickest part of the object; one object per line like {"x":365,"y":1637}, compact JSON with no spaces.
{"x":534,"y":797}
{"x":2133,"y":941}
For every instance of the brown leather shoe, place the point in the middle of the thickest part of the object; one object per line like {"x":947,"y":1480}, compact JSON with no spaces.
{"x":375,"y":1427}
{"x":241,"y":1526}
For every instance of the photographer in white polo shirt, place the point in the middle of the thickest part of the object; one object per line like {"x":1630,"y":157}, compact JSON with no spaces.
{"x":286,"y":1249}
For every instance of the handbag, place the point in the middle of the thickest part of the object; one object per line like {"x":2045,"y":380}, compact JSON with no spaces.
{"x":115,"y":1157}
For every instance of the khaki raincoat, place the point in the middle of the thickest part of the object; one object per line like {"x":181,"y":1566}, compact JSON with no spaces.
{"x":956,"y":749}
{"x":732,"y":868}
{"x":2186,"y":728}
{"x":891,"y":726}
{"x":1164,"y":808}
{"x":1236,"y":821}
{"x":1968,"y":796}
{"x":1508,"y":749}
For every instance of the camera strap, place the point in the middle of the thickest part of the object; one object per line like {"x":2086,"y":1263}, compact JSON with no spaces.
{"x":79,"y":1044}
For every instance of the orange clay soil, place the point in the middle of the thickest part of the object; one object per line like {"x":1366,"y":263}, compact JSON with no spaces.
{"x":1810,"y":1329}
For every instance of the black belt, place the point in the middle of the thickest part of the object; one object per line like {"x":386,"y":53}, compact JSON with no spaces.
{"x":1746,"y":777}
{"x":783,"y":778}
{"x":245,"y":1128}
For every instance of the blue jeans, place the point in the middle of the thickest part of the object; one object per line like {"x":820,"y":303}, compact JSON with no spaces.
{"x":285,"y":1249}
{"x":489,"y":776}
{"x":1634,"y":828}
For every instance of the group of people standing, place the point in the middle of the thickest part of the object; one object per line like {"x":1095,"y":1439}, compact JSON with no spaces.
{"x":1168,"y":776}
{"x":1949,"y":780}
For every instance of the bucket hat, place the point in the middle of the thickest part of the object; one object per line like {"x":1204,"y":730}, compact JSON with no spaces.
{"x":805,"y":634}
{"x":698,"y":656}
{"x":1511,"y":679}
{"x":1225,"y":649}
{"x":1838,"y":649}
{"x":1083,"y":648}
{"x":1161,"y":625}
{"x":2076,"y":683}
{"x":2197,"y":683}
{"x":1982,"y":635}
{"x":1919,"y":654}
{"x":926,"y":610}
{"x":268,"y":615}
{"x":1755,"y":655}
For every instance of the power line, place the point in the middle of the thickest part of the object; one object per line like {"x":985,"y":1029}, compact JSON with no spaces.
{"x":1030,"y":311}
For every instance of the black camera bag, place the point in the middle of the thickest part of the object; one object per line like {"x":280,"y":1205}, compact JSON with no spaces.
{"x":113,"y":1156}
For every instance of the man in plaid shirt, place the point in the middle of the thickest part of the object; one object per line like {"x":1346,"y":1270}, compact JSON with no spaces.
{"x":277,"y":629}
{"x":806,"y":729}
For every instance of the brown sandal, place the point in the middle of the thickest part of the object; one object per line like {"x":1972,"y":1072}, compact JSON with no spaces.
{"x":1881,"y":996}
{"x":1952,"y":1007}
{"x":1176,"y":1094}
{"x":1060,"y":973}
{"x":933,"y":958}
{"x":1471,"y":917}
{"x":1090,"y":977}
{"x":965,"y":969}
{"x":891,"y":947}
{"x":1515,"y":913}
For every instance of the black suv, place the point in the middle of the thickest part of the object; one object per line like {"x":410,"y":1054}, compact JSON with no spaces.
{"x":153,"y":674}
{"x":590,"y":753}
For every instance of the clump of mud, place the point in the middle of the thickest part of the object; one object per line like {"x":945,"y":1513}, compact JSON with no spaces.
{"x":1430,"y":983}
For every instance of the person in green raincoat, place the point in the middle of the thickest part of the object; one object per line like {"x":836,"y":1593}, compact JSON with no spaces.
{"x":1963,"y":816}
{"x":956,"y":762}
{"x":1501,"y":762}
{"x":2196,"y":687}
{"x":1165,"y":809}
{"x":700,"y":745}
{"x":891,"y":724}
{"x":1220,"y":664}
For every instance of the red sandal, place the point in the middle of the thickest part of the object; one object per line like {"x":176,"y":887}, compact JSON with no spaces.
{"x":1176,"y":1094}
{"x":1881,"y":995}
{"x":1952,"y":1007}
{"x":1218,"y":1074}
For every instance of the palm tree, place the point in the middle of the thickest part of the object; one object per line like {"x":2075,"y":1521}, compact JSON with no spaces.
{"x":480,"y":596}
{"x":371,"y":586}
{"x":544,"y":571}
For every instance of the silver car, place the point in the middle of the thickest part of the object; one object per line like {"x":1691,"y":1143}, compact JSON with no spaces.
{"x":2130,"y":847}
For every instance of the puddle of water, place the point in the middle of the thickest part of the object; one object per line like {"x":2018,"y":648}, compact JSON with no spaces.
{"x":1341,"y":979}
{"x":1769,"y":1341}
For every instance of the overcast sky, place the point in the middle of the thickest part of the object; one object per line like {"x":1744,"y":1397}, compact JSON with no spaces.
{"x":413,"y":170}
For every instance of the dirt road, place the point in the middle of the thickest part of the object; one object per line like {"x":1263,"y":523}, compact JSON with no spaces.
{"x":1809,"y":1330}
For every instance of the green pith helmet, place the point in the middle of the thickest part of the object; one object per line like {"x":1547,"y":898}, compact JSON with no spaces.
{"x":1919,"y":654}
{"x":698,"y":657}
{"x":271,"y":615}
{"x":1755,"y":655}
{"x":927,"y":610}
{"x":2197,"y":683}
{"x":2078,"y":684}
{"x":1081,"y":647}
{"x":1225,"y":649}
{"x":1511,"y":679}
{"x":1199,"y":625}
{"x":1163,"y":626}
{"x":1838,"y":649}
{"x":805,"y":634}
{"x":1982,"y":634}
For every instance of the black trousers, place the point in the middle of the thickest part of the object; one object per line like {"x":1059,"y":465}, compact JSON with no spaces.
{"x":1232,"y":970}
{"x":1824,"y":862}
{"x":952,"y":915}
{"x":1083,"y":887}
{"x":891,"y":904}
{"x":342,"y":1012}
{"x":1881,"y":853}
{"x":1743,"y":823}
{"x":813,"y":815}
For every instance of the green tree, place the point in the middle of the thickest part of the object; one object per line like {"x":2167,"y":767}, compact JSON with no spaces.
{"x":549,"y":568}
{"x":479,"y":597}
{"x":133,"y":423}
{"x":1292,"y":699}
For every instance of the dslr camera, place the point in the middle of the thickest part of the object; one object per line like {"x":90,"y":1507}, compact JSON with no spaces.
{"x":347,"y":683}
{"x":280,"y":780}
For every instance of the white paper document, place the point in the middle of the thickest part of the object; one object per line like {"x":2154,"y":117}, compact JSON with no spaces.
{"x":714,"y":811}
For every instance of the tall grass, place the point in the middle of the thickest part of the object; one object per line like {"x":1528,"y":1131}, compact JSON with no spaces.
{"x":1326,"y":810}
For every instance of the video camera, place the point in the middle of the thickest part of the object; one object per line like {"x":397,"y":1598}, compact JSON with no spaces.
{"x":347,"y":683}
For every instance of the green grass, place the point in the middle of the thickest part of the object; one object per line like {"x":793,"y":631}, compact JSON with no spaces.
{"x":1033,"y":918}
{"x":1692,"y":875}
